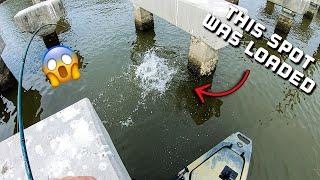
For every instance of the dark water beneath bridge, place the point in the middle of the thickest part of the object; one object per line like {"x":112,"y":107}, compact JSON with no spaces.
{"x":140,"y":86}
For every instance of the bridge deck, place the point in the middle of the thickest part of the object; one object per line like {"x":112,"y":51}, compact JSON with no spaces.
{"x":297,"y":6}
{"x":189,"y":15}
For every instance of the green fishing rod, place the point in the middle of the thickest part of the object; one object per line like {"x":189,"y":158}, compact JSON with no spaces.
{"x":26,"y":161}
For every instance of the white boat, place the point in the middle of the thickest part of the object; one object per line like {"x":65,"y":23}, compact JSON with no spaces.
{"x":229,"y":160}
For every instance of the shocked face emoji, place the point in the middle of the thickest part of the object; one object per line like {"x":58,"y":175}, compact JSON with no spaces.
{"x":60,"y":64}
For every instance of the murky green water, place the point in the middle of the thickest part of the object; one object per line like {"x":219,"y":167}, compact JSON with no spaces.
{"x":141,"y":89}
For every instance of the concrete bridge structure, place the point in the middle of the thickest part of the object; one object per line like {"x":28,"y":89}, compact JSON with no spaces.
{"x":203,"y":54}
{"x":313,"y":9}
{"x":42,"y":13}
{"x":73,"y":142}
{"x":292,"y":7}
{"x":29,"y":20}
{"x":59,"y":149}
{"x":189,"y":15}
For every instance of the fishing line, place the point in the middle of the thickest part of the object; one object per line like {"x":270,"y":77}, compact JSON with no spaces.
{"x":19,"y":106}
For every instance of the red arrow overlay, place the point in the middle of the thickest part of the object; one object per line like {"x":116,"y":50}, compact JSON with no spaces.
{"x":200,"y":91}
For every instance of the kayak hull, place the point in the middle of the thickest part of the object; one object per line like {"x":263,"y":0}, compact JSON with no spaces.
{"x":229,"y":160}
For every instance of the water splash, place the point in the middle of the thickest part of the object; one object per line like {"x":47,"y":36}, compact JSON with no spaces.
{"x":128,"y":122}
{"x":154,"y":74}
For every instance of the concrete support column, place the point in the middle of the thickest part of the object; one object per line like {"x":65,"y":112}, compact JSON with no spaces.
{"x":42,"y":13}
{"x":51,"y":40}
{"x":285,"y":20}
{"x":233,"y":1}
{"x":7,"y":80}
{"x":202,"y":57}
{"x":312,"y":10}
{"x":143,"y":19}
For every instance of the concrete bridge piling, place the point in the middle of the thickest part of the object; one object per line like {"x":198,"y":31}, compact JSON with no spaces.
{"x":7,"y":80}
{"x":42,"y":13}
{"x":51,"y":40}
{"x":285,"y":20}
{"x":289,"y":9}
{"x":204,"y":46}
{"x":202,"y":57}
{"x":143,"y":19}
{"x":312,"y":10}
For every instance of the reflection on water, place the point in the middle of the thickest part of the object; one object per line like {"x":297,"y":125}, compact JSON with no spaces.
{"x":8,"y":115}
{"x":305,"y":23}
{"x":144,"y":42}
{"x":200,"y":113}
{"x":82,"y":63}
{"x":31,"y":107}
{"x":292,"y":97}
{"x":63,"y":26}
{"x":305,"y":28}
{"x":269,"y":9}
{"x":284,"y":35}
{"x":313,"y":66}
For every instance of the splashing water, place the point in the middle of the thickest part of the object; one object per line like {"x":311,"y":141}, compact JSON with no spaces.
{"x":154,"y":74}
{"x":128,"y":122}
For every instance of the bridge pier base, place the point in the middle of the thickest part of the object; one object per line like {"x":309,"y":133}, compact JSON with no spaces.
{"x":233,"y":1}
{"x":202,"y":57}
{"x":313,"y":9}
{"x":40,"y":14}
{"x":7,"y":80}
{"x":285,"y":21}
{"x":51,"y":40}
{"x":143,"y":19}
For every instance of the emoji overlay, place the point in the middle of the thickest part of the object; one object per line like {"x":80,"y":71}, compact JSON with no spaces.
{"x":60,"y":64}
